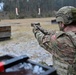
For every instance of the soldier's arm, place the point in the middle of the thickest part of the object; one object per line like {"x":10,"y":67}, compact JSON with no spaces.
{"x":38,"y":35}
{"x":42,"y":38}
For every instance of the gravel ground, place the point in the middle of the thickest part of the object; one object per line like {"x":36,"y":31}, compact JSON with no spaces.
{"x":22,"y":41}
{"x":30,"y":48}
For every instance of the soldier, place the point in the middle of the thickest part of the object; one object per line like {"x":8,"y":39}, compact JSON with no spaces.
{"x":62,"y":44}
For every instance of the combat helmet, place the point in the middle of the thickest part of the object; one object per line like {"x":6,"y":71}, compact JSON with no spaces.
{"x":66,"y":14}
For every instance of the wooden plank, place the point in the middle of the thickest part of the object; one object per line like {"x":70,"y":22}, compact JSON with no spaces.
{"x":5,"y":32}
{"x":5,"y":28}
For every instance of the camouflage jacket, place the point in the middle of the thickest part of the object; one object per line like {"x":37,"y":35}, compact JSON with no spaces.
{"x":62,"y":46}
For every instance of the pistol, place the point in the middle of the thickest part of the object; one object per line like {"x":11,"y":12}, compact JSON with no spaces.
{"x":35,"y":24}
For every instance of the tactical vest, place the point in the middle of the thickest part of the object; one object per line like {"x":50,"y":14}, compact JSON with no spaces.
{"x":73,"y":11}
{"x":62,"y":67}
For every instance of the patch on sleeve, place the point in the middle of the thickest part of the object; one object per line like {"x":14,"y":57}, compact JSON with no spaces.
{"x":53,"y":37}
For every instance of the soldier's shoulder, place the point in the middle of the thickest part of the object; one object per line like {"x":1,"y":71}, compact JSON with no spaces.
{"x":64,"y":34}
{"x":59,"y":34}
{"x":64,"y":37}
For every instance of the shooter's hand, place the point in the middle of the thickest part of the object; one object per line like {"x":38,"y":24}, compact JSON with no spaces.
{"x":35,"y":25}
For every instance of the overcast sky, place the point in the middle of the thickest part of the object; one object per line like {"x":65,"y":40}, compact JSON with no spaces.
{"x":1,"y":6}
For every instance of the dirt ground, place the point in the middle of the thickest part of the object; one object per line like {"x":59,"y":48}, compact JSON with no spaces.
{"x":22,"y":40}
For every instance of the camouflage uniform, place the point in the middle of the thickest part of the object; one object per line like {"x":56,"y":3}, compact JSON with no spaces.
{"x":63,"y":47}
{"x":59,"y":44}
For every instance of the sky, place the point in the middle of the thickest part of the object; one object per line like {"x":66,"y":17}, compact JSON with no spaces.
{"x":1,"y":6}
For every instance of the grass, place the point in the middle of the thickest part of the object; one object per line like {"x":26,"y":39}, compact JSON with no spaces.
{"x":22,"y":27}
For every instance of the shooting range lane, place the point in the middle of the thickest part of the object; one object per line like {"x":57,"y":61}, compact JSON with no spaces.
{"x":23,"y":42}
